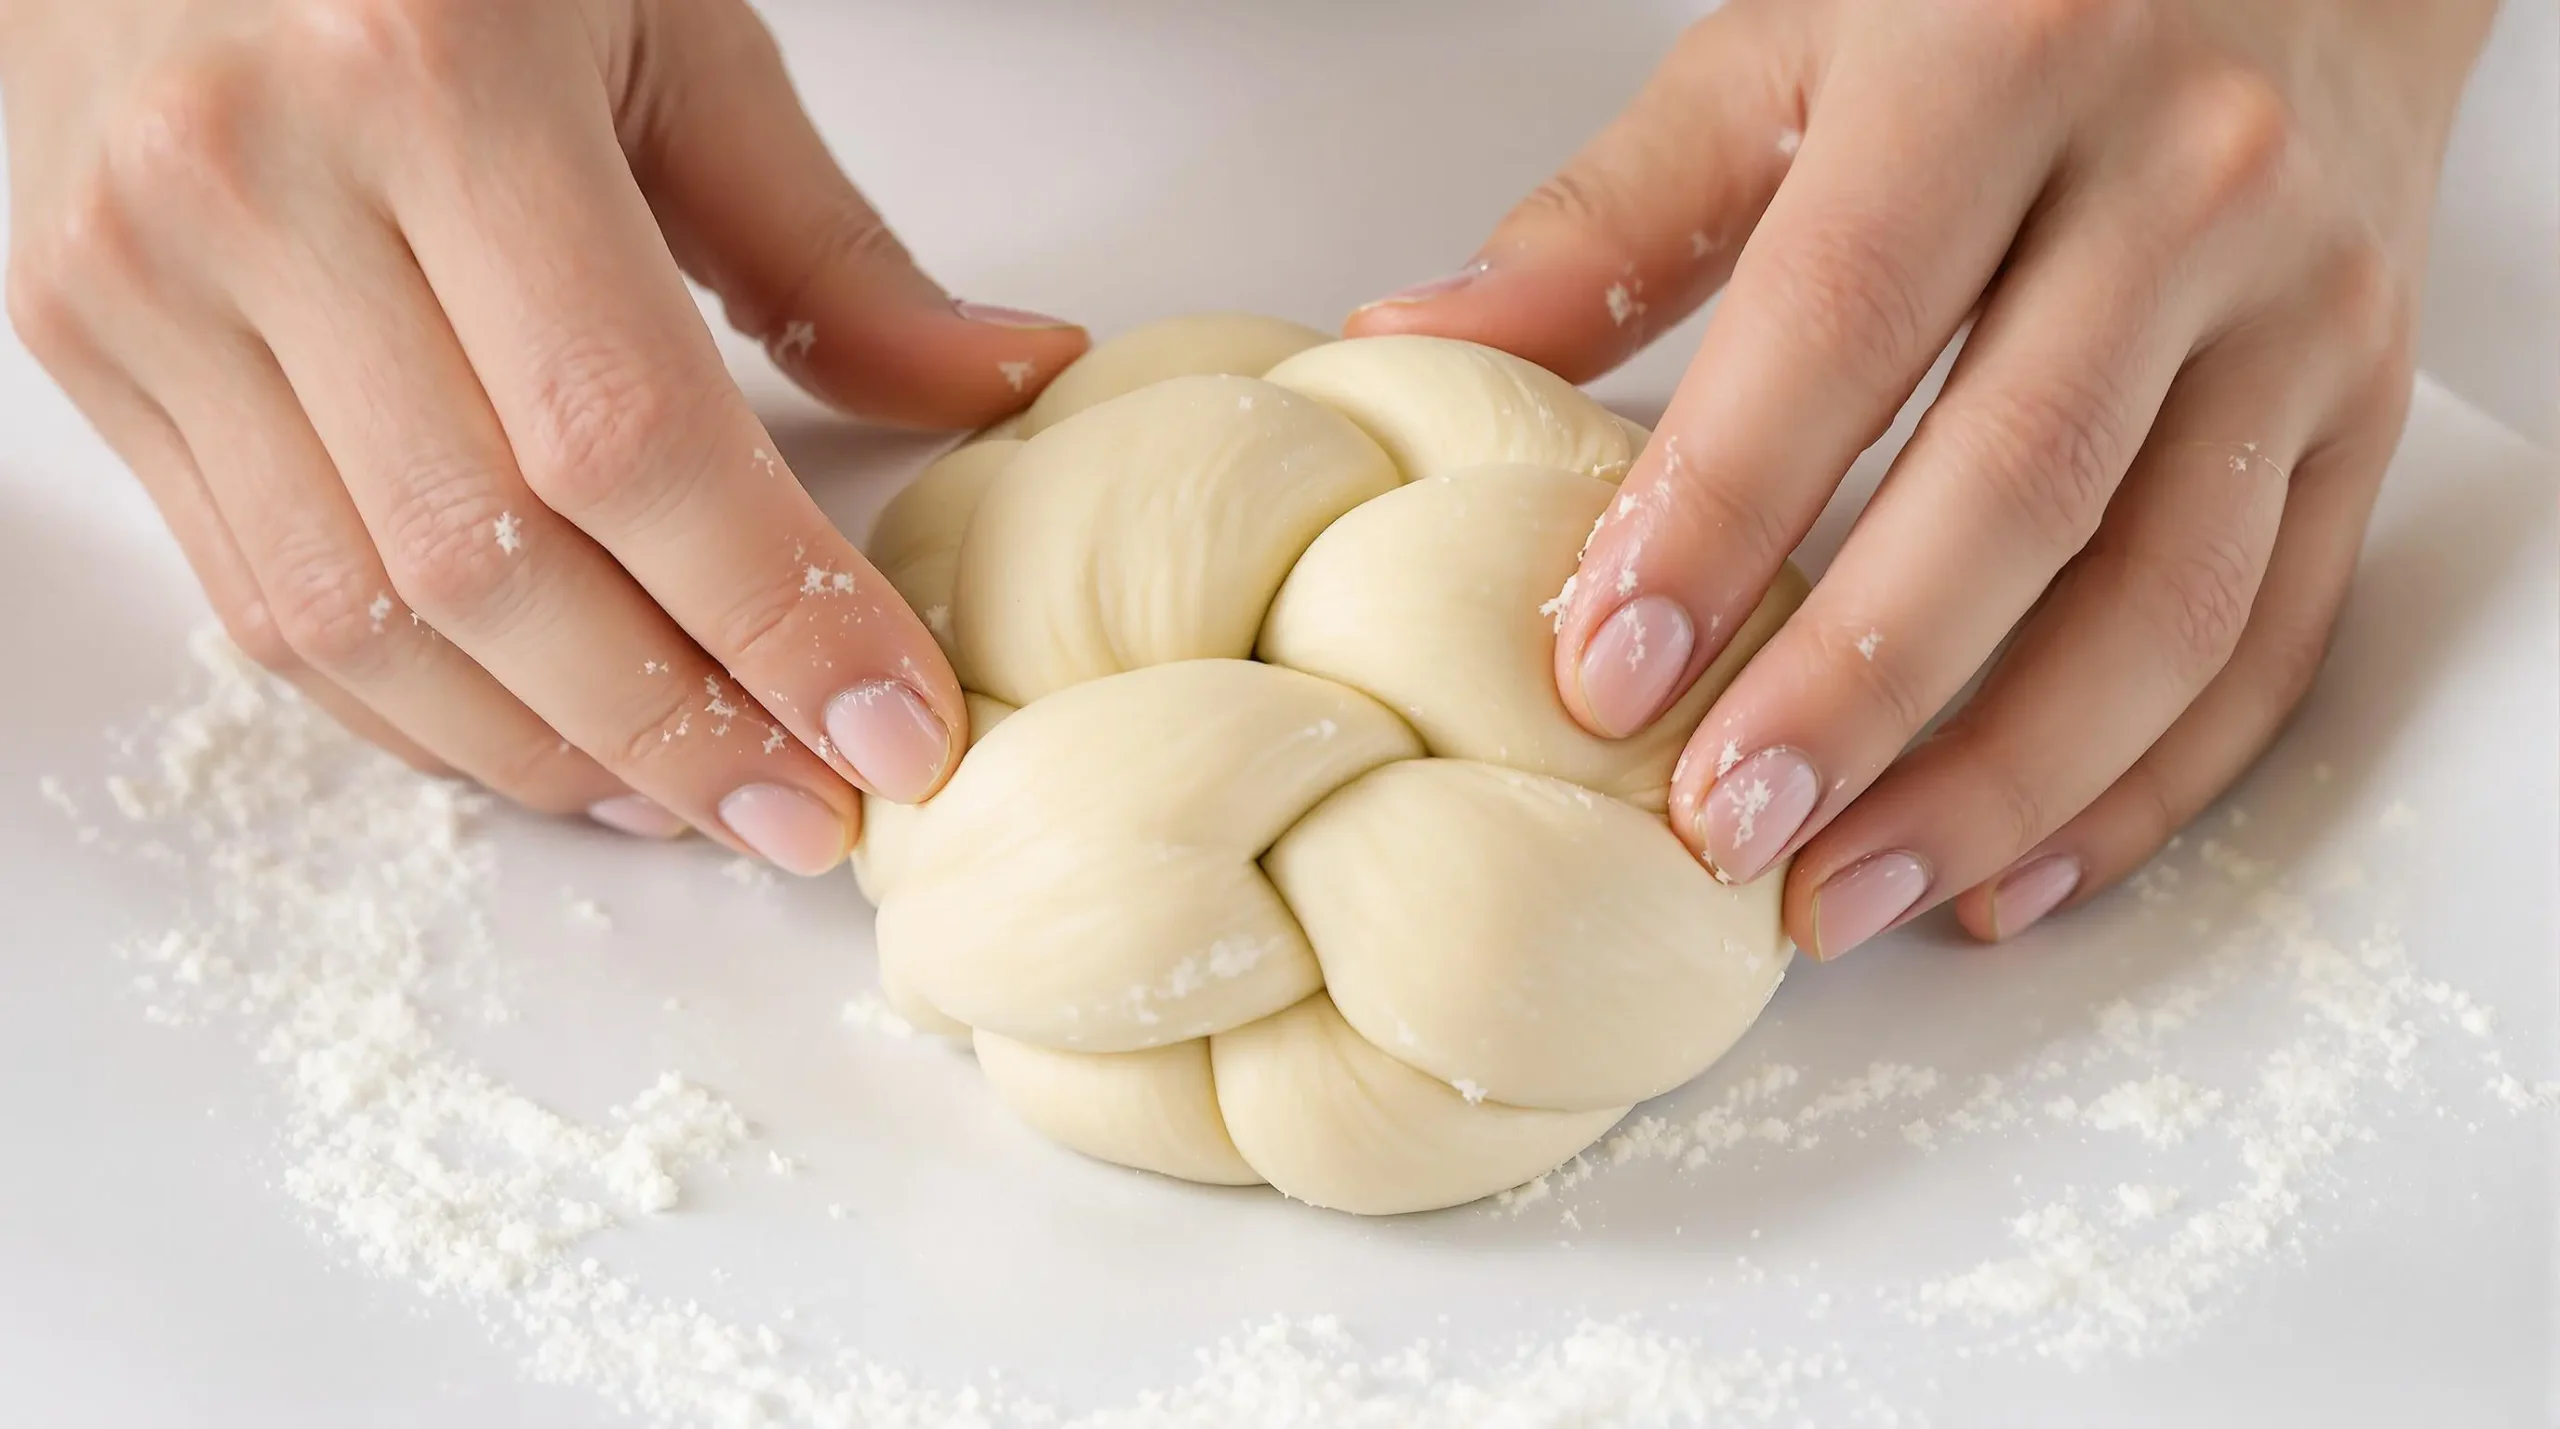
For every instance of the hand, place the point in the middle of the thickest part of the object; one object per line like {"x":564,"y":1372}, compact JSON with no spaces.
{"x":383,"y":301}
{"x":2187,"y":234}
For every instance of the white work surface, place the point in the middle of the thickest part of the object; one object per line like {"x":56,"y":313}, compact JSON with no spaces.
{"x":1123,"y":161}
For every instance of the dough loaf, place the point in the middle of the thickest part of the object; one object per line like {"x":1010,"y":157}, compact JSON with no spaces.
{"x":1276,"y":858}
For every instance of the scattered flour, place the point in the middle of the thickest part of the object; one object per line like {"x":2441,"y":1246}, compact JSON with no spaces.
{"x":341,"y":909}
{"x":872,"y":1013}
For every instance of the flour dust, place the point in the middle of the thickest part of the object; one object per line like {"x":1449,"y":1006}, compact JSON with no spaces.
{"x":338,"y":921}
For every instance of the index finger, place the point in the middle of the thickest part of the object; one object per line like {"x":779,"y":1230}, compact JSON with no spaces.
{"x":623,"y":419}
{"x":1860,"y":272}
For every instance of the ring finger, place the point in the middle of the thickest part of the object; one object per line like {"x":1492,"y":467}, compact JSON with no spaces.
{"x":527,"y":595}
{"x":2133,"y":629}
{"x":325,"y":589}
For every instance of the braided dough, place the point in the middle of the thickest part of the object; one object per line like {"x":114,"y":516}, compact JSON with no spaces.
{"x":1276,"y":857}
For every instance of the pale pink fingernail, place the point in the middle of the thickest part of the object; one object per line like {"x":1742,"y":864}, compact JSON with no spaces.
{"x":1435,"y":288}
{"x":1864,"y":899}
{"x":793,"y":830}
{"x":2031,"y":892}
{"x":1755,"y":810}
{"x":637,"y":815}
{"x":995,"y":316}
{"x":1632,"y":666}
{"x":891,"y":737}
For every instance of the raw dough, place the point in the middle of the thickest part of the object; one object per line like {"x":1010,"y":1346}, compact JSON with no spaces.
{"x":1276,"y":857}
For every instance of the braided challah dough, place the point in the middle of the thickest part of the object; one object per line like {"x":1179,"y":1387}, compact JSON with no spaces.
{"x":1276,"y":857}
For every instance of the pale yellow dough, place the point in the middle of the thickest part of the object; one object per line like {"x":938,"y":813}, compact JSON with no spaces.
{"x":1276,"y":857}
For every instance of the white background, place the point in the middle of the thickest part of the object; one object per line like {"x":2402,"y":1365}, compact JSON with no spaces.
{"x":1126,"y":160}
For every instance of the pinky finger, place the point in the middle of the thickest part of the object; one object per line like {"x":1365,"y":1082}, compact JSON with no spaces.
{"x":148,"y":442}
{"x":2230,"y":724}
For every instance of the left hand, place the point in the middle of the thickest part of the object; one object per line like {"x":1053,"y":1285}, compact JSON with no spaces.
{"x":2188,"y":234}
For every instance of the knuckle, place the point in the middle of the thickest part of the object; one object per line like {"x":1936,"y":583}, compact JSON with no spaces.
{"x":323,"y":607}
{"x":1576,"y":196}
{"x":762,"y":626}
{"x":443,"y":553}
{"x":2151,"y":809}
{"x":2203,"y":594}
{"x":658,"y":729}
{"x":2285,"y":657}
{"x":1883,"y":684}
{"x":253,"y":629}
{"x":2046,"y":452}
{"x":1847,"y":293}
{"x":2237,"y":139}
{"x":187,"y":133}
{"x":1749,"y":535}
{"x":394,"y":44}
{"x":2012,"y":808}
{"x":853,"y":238}
{"x":595,"y":421}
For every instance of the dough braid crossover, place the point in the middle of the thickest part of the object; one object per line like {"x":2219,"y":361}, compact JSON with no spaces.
{"x":1276,"y":858}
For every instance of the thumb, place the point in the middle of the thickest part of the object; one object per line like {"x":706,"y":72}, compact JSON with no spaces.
{"x":755,"y":208}
{"x":1643,"y":224}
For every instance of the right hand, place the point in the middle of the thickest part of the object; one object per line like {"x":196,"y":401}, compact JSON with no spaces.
{"x":383,"y":301}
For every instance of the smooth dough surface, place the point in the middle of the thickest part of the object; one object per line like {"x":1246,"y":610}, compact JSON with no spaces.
{"x":1275,"y":856}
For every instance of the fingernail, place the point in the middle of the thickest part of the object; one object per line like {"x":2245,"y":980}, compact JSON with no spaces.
{"x":1437,"y":287}
{"x":1863,"y":901}
{"x":1755,"y":810}
{"x":637,"y":815}
{"x":1633,"y":664}
{"x":994,"y":316}
{"x":891,"y":737}
{"x":794,"y":831}
{"x":2034,"y":890}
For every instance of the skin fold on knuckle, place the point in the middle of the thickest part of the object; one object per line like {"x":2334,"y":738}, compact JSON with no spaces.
{"x":1844,"y":292}
{"x":446,"y":555}
{"x":2200,"y":594}
{"x":844,"y":237}
{"x":182,"y":152}
{"x":1889,"y":695}
{"x":778,"y":623}
{"x":2045,"y":452}
{"x":598,"y":424}
{"x":324,"y":602}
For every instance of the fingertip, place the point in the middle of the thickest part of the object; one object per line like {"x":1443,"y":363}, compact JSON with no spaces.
{"x":935,"y":365}
{"x":1554,"y":309}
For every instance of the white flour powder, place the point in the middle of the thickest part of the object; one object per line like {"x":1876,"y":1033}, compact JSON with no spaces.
{"x":341,"y":920}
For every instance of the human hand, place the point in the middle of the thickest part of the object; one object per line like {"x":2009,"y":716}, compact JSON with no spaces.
{"x":383,"y":301}
{"x":2188,"y":235}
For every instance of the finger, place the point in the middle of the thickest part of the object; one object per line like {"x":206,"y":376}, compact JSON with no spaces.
{"x":2129,"y":635}
{"x":2004,"y":480}
{"x":620,"y":418}
{"x":756,"y":207}
{"x":335,"y":607}
{"x":2238,"y":715}
{"x":1644,"y":223}
{"x":117,"y":288}
{"x":142,"y":436}
{"x":1856,"y":278}
{"x":513,"y":585}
